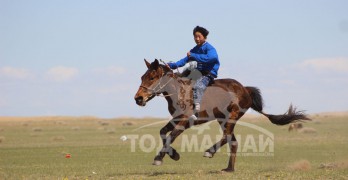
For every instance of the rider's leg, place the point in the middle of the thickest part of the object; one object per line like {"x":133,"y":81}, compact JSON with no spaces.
{"x":198,"y":91}
{"x":190,"y":66}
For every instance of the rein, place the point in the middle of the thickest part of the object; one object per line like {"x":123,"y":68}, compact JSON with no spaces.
{"x":161,"y":87}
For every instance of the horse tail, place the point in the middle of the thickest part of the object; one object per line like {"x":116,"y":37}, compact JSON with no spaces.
{"x":290,"y":116}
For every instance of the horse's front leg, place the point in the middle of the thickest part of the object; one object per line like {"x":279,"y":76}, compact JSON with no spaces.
{"x":179,"y":127}
{"x":163,"y":133}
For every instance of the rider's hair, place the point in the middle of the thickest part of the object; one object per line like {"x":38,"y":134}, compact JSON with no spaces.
{"x":202,"y":30}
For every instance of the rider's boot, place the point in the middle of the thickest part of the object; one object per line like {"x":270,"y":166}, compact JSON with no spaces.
{"x":196,"y":109}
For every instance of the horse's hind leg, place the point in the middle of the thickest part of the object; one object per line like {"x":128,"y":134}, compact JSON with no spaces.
{"x":226,"y":127}
{"x":234,"y":116}
{"x":233,"y":146}
{"x":228,"y":137}
{"x":228,"y":124}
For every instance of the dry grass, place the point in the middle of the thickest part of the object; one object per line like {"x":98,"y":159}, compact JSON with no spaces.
{"x":34,"y":134}
{"x":343,"y":164}
{"x":46,"y":118}
{"x":335,"y":165}
{"x":316,"y":121}
{"x":328,"y":166}
{"x":63,"y":123}
{"x":37,"y":129}
{"x":111,"y":131}
{"x":128,"y":123}
{"x":302,"y":165}
{"x":103,"y":123}
{"x":25,"y":124}
{"x":295,"y":127}
{"x":2,"y":138}
{"x":102,"y":128}
{"x":58,"y":138}
{"x":75,"y":128}
{"x":307,"y":130}
{"x":26,"y":154}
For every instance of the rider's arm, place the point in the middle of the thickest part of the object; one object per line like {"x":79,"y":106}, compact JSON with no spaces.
{"x":180,"y":63}
{"x":205,"y":58}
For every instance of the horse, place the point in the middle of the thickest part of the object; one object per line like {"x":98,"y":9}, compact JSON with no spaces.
{"x":225,"y":100}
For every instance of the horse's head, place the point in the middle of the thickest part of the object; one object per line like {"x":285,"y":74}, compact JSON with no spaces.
{"x":152,"y":82}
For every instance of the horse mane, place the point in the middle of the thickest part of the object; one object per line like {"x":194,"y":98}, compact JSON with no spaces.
{"x":176,"y":75}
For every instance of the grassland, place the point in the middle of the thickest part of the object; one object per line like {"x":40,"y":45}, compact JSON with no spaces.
{"x":36,"y":148}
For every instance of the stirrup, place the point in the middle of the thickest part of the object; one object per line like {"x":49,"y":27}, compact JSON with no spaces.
{"x":193,"y":117}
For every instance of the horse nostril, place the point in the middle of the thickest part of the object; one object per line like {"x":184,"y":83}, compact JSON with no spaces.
{"x":139,"y":99}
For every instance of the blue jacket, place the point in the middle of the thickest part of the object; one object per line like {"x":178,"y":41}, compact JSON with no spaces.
{"x":206,"y":57}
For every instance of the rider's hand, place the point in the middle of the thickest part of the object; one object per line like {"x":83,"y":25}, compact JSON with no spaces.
{"x":188,"y":54}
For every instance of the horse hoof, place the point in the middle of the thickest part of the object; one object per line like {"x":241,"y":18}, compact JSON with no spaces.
{"x":175,"y":156}
{"x":157,"y":162}
{"x":227,"y":170}
{"x":208,"y":155}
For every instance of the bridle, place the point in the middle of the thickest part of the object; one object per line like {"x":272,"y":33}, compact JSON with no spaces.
{"x":155,"y":91}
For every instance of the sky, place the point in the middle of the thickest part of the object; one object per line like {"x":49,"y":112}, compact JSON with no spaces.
{"x":85,"y":58}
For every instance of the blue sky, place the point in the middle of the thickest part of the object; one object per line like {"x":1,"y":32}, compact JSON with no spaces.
{"x":86,"y":57}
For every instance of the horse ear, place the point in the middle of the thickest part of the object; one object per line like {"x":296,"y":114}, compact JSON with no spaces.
{"x":167,"y":68}
{"x":147,"y":64}
{"x":155,"y":64}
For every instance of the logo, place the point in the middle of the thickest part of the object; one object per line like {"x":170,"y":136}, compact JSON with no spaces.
{"x":257,"y":142}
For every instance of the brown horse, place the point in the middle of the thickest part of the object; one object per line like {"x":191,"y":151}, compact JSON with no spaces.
{"x":225,"y":100}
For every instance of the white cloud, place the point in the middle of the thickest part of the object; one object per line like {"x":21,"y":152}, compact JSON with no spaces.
{"x":61,"y":73}
{"x":111,"y":70}
{"x":16,"y":73}
{"x":326,"y":64}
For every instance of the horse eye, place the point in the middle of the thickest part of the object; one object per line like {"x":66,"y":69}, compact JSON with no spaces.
{"x":151,"y":79}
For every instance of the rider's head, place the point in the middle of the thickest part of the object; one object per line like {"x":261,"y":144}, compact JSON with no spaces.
{"x":200,"y":35}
